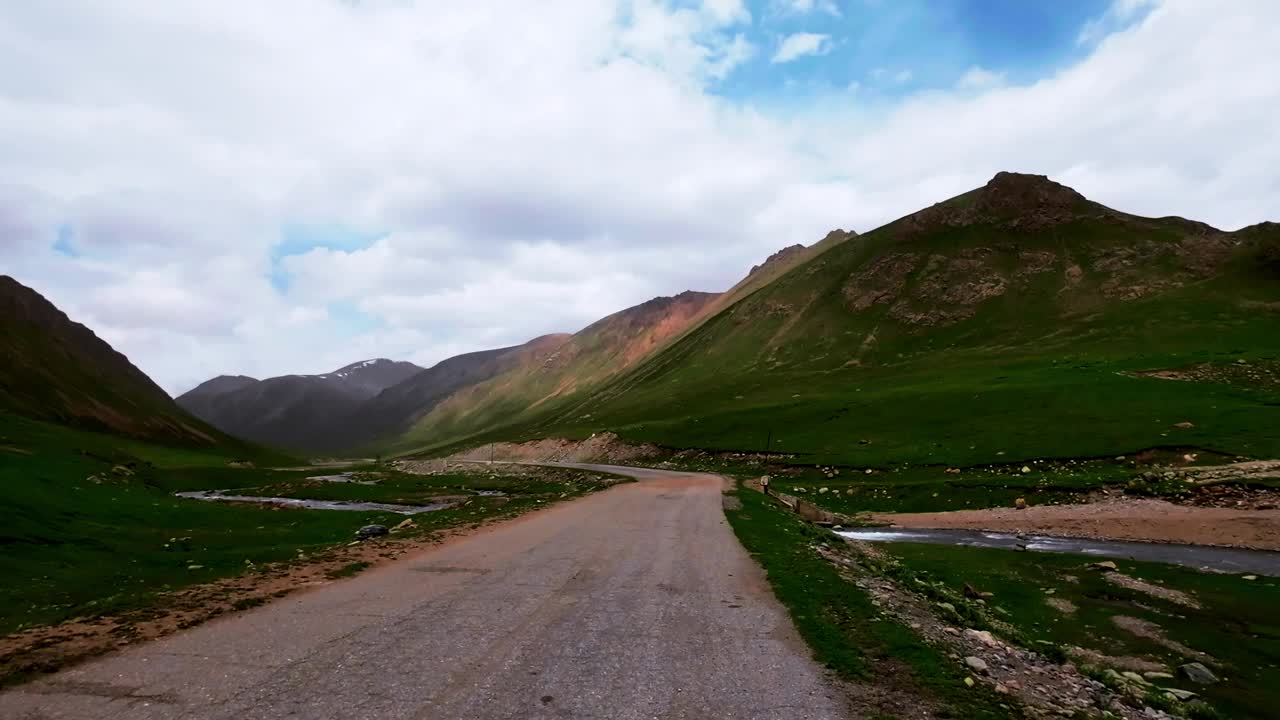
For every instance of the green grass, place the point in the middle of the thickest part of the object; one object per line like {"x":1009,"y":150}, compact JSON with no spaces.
{"x":1237,"y":624}
{"x":91,"y":526}
{"x":846,"y":631}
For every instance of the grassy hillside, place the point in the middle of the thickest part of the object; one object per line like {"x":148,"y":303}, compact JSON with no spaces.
{"x":571,"y":369}
{"x":1019,"y":320}
{"x":396,"y":409}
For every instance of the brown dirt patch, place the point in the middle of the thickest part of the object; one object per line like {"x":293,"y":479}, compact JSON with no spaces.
{"x":1258,"y":373}
{"x":1122,"y":519}
{"x":1117,"y":662}
{"x":1157,"y":591}
{"x":1153,"y":632}
{"x":603,"y":447}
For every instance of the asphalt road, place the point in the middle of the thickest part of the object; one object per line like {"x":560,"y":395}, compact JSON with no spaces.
{"x":636,"y":602}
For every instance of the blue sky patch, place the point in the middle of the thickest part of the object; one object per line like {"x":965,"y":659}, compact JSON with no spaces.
{"x":65,"y":242}
{"x":892,"y":48}
{"x":347,"y":319}
{"x":299,"y":239}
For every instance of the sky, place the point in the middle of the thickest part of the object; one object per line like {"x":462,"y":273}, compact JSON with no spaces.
{"x":259,"y":188}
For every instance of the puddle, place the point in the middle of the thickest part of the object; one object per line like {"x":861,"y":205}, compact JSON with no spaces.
{"x":1201,"y":557}
{"x":217,"y":496}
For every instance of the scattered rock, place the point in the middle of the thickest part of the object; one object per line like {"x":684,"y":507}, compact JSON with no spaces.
{"x":1062,"y":605}
{"x":977,"y":664}
{"x":1248,"y":577}
{"x":195,"y":567}
{"x":1179,"y":694}
{"x":1153,"y":676}
{"x":968,"y":681}
{"x":1105,"y":565}
{"x":1198,"y":673}
{"x":1134,"y":677}
{"x":405,"y":525}
{"x":947,"y":606}
{"x":1020,"y":503}
{"x":1026,"y":469}
{"x":983,"y":636}
{"x":1184,"y":425}
{"x":371,"y":531}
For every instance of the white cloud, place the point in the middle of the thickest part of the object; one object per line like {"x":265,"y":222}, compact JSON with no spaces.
{"x":1117,"y":15}
{"x":798,"y":45}
{"x":727,"y":12}
{"x":803,"y":7}
{"x":580,"y":164}
{"x":731,"y":55}
{"x":976,"y":78}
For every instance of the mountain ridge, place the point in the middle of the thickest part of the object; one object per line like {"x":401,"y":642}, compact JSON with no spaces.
{"x":55,"y":369}
{"x":294,"y":412}
{"x":1017,"y":266}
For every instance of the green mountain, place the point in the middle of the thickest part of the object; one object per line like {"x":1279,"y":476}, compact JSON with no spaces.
{"x":1017,"y":320}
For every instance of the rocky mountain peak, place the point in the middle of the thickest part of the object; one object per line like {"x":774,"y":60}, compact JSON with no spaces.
{"x":782,"y":256}
{"x":1021,"y":192}
{"x":1009,"y":201}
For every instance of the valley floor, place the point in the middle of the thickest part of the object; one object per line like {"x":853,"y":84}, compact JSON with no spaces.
{"x":634,"y":602}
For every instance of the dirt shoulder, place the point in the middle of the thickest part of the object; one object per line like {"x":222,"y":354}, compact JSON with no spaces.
{"x":1121,"y":519}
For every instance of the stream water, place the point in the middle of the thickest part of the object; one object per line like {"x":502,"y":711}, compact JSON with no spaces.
{"x":216,"y":496}
{"x":1202,"y":557}
{"x":345,"y":477}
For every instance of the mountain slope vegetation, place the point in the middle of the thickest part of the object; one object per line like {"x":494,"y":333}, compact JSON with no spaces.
{"x":579,"y":363}
{"x":1017,"y":320}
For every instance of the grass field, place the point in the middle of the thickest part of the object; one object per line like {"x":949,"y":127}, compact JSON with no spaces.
{"x":91,"y":526}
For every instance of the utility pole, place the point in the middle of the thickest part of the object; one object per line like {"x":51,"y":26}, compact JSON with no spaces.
{"x":768,"y":441}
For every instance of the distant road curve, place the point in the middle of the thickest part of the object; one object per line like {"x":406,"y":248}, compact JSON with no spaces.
{"x":635,"y":602}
